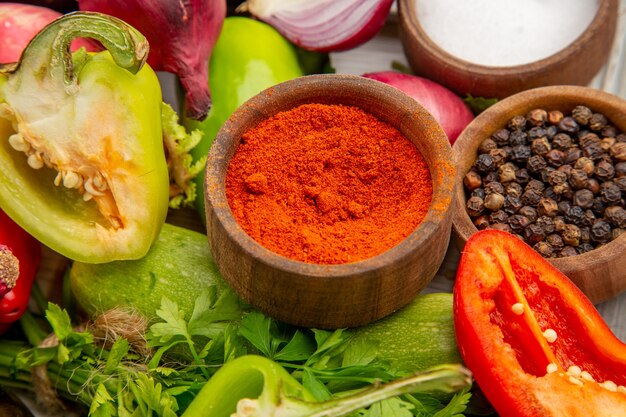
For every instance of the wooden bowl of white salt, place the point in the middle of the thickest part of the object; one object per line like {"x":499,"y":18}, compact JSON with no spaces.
{"x":498,"y":48}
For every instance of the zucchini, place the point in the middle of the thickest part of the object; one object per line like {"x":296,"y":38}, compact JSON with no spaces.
{"x":415,"y":338}
{"x":178,"y":266}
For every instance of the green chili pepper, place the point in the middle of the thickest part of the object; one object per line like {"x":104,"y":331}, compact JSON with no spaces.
{"x":82,"y":165}
{"x":254,"y":386}
{"x":248,"y":57}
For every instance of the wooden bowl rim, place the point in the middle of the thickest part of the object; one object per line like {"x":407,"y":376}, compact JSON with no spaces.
{"x":461,"y":222}
{"x":215,"y":195}
{"x":407,"y":12}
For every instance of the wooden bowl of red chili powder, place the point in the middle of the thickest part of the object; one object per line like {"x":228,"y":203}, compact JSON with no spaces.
{"x":328,"y":199}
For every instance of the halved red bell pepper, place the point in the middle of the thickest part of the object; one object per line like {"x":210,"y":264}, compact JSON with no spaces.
{"x":536,"y":345}
{"x":20,"y":254}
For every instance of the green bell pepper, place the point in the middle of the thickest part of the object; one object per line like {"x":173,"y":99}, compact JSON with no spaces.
{"x":249,"y":56}
{"x":82,"y":164}
{"x":254,"y":386}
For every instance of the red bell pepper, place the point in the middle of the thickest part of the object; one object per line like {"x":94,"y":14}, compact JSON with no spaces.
{"x":20,"y":255}
{"x":536,"y":345}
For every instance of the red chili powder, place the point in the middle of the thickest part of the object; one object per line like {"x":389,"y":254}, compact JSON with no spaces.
{"x":327,"y":184}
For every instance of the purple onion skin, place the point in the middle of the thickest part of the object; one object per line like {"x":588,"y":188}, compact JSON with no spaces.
{"x":181,"y":34}
{"x":445,"y":106}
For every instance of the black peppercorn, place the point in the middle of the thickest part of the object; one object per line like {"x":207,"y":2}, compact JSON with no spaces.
{"x":583,"y":198}
{"x":609,"y":131}
{"x":546,"y":223}
{"x":490,"y":177}
{"x":537,"y":117}
{"x":484,"y":163}
{"x":618,"y":151}
{"x":498,"y":217}
{"x":518,"y":137}
{"x":481,"y":222}
{"x":547,"y":207}
{"x":569,"y":125}
{"x":616,"y":215}
{"x":606,"y":143}
{"x":537,"y":132}
{"x":598,"y":121}
{"x":487,"y":145}
{"x":568,"y":251}
{"x":564,"y":205}
{"x":534,"y":234}
{"x":557,"y":177}
{"x":529,"y":212}
{"x":550,"y":193}
{"x":551,"y":131}
{"x":512,"y":204}
{"x":584,"y":248}
{"x":501,"y":226}
{"x":494,"y":187}
{"x":555,"y":116}
{"x":531,"y":197}
{"x":545,"y":173}
{"x":604,"y":170}
{"x":472,"y":180}
{"x":520,"y":153}
{"x":555,"y":157}
{"x":563,"y":190}
{"x":589,"y":218}
{"x":582,"y":114}
{"x":475,"y":206}
{"x":621,"y":137}
{"x":566,"y":169}
{"x":513,"y":189}
{"x":620,"y":183}
{"x":617,"y":233}
{"x":574,"y":215}
{"x":598,"y":206}
{"x":498,"y":156}
{"x":535,"y":164}
{"x":518,"y":223}
{"x":572,"y":155}
{"x":543,"y":249}
{"x":585,"y":164}
{"x":571,"y":235}
{"x":535,"y":185}
{"x":494,"y":201}
{"x":593,"y":150}
{"x":587,"y":138}
{"x":601,"y":232}
{"x":562,"y":141}
{"x":501,"y":136}
{"x":555,"y":241}
{"x":517,"y":122}
{"x":522,"y":176}
{"x":593,"y":185}
{"x":620,"y":169}
{"x":578,"y":179}
{"x":478,"y":192}
{"x":610,"y":192}
{"x":585,"y":235}
{"x":540,"y":146}
{"x":559,"y":224}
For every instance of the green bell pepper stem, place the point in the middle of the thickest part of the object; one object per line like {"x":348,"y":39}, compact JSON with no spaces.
{"x":48,"y":53}
{"x":254,"y":386}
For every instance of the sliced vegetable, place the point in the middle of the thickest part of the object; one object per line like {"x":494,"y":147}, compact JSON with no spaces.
{"x":82,"y":165}
{"x":535,"y":343}
{"x":445,"y":106}
{"x":254,"y":386}
{"x":263,"y":58}
{"x":20,"y":255}
{"x":181,"y":35}
{"x":324,"y":25}
{"x":19,"y":23}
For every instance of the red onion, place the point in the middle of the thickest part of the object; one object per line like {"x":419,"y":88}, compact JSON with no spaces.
{"x":181,"y":36}
{"x":19,"y":23}
{"x":445,"y":106}
{"x":322,"y":25}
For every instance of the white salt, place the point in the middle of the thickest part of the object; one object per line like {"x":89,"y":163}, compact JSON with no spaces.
{"x":504,"y":32}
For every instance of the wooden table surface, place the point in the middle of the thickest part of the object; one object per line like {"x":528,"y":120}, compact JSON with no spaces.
{"x":379,"y":54}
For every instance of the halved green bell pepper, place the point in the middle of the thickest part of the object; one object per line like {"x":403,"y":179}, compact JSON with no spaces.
{"x":249,"y":56}
{"x":82,"y":164}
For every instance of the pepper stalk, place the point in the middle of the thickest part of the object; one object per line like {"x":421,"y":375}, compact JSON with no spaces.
{"x":254,"y":386}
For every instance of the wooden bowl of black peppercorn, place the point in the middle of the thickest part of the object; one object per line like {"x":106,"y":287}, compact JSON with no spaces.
{"x":549,"y":165}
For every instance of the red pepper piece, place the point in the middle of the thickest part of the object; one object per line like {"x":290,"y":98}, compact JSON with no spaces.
{"x":509,"y":304}
{"x":20,"y":255}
